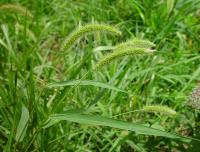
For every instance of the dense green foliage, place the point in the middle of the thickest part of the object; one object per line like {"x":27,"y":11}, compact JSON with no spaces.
{"x":53,"y":98}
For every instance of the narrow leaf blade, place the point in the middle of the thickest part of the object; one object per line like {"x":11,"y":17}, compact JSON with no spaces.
{"x":23,"y":124}
{"x":102,"y":121}
{"x":170,"y":5}
{"x":84,"y":83}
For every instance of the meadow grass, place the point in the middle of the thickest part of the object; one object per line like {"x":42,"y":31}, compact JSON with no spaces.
{"x":52,"y":99}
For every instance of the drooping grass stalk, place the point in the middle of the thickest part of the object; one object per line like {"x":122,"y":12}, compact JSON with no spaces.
{"x":120,"y":53}
{"x":87,"y":29}
{"x":16,"y":8}
{"x":159,"y":109}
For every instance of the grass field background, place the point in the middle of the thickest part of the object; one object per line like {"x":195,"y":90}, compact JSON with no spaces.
{"x":53,"y":99}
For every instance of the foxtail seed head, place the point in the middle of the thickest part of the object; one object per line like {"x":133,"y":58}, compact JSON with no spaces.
{"x":87,"y":29}
{"x":135,"y":43}
{"x":17,"y":9}
{"x":159,"y":109}
{"x":120,"y":53}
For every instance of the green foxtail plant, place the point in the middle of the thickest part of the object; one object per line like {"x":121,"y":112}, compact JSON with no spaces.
{"x":131,"y":47}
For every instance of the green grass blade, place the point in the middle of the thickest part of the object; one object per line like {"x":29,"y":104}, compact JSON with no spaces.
{"x":170,"y":5}
{"x":103,"y":121}
{"x":84,"y":83}
{"x":23,"y":124}
{"x":4,"y":44}
{"x":5,"y":31}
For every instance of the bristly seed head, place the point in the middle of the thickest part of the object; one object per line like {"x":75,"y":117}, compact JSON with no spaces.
{"x":87,"y":29}
{"x":159,"y":109}
{"x":120,"y":53}
{"x":135,"y":43}
{"x":16,"y":8}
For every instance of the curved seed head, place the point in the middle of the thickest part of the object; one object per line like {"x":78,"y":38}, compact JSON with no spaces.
{"x":87,"y":29}
{"x":120,"y":53}
{"x":136,"y":43}
{"x":16,"y":8}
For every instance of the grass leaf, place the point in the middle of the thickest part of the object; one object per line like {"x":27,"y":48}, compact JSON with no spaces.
{"x":84,"y":83}
{"x":170,"y":5}
{"x":23,"y":124}
{"x":103,"y":121}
